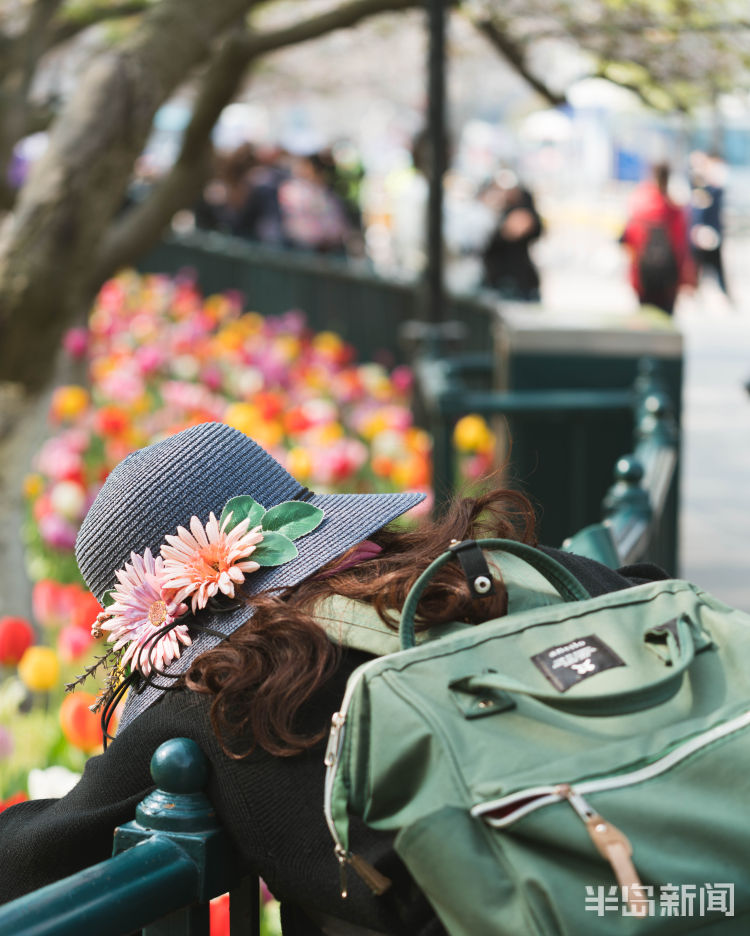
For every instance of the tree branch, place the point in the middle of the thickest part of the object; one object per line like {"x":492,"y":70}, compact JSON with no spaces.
{"x":339,"y":18}
{"x":515,"y":55}
{"x":143,"y":224}
{"x":76,"y":187}
{"x":68,"y":25}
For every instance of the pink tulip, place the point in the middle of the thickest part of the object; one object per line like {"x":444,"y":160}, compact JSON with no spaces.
{"x":76,"y":342}
{"x":6,"y":743}
{"x":50,"y":602}
{"x":402,"y":379}
{"x":57,"y":532}
{"x":72,"y":643}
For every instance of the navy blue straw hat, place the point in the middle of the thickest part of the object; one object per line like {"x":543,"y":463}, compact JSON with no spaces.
{"x":194,"y":473}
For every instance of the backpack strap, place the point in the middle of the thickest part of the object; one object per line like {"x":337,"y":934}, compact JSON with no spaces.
{"x":564,"y":581}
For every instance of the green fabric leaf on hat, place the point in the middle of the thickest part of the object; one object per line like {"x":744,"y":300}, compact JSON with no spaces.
{"x":240,"y":508}
{"x":108,"y":598}
{"x":293,"y":519}
{"x":275,"y":549}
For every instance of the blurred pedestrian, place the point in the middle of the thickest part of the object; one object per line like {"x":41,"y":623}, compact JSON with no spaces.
{"x":656,"y":235}
{"x":313,"y":216}
{"x":508,"y":266}
{"x":707,"y":173}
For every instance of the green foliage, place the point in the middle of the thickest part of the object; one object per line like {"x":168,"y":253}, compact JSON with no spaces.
{"x":242,"y":508}
{"x":274,"y":550}
{"x":293,"y":518}
{"x":279,"y":525}
{"x":673,"y":54}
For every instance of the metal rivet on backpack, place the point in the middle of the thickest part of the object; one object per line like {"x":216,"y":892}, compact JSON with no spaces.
{"x":482,"y":584}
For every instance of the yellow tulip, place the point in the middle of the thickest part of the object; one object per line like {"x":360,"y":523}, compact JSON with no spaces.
{"x":374,"y":425}
{"x":472,"y":434}
{"x":299,"y":463}
{"x":329,"y":433}
{"x":33,"y":485}
{"x":243,"y":416}
{"x":268,"y":434}
{"x":327,"y":342}
{"x":39,"y":668}
{"x":69,"y":401}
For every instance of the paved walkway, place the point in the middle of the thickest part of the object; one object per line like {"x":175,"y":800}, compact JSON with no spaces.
{"x":715,"y":509}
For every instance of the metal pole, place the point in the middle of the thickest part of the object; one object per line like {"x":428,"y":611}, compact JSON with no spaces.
{"x":434,"y":295}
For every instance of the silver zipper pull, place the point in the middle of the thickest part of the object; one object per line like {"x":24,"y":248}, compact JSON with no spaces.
{"x":342,"y":859}
{"x":613,"y":846}
{"x":332,"y":748}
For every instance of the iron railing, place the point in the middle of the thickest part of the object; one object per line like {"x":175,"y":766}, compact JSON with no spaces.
{"x":166,"y":867}
{"x":638,"y":513}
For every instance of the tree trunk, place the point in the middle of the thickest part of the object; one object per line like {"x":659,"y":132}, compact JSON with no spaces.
{"x":76,"y":187}
{"x":22,"y":430}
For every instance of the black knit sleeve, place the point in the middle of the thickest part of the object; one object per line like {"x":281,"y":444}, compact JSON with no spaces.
{"x":44,"y":840}
{"x":599,"y":579}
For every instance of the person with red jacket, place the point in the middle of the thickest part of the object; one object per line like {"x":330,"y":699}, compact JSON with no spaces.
{"x":657,"y":236}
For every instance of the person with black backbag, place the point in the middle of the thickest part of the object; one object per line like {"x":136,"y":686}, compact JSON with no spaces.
{"x":656,"y":235}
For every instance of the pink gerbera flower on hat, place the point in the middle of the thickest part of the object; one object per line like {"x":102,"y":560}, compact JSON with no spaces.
{"x":141,"y":606}
{"x":201,"y":562}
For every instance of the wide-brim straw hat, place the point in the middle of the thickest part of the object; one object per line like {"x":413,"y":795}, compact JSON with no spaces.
{"x":159,"y":488}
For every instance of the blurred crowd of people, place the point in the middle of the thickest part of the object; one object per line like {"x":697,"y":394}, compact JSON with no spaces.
{"x":323,"y":202}
{"x":313,"y":202}
{"x":265,"y":194}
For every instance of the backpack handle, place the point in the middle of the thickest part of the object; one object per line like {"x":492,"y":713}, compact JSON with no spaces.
{"x":568,"y":586}
{"x":681,"y":650}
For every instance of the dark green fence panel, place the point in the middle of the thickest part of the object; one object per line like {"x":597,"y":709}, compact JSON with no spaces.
{"x":367,"y":310}
{"x":561,"y":457}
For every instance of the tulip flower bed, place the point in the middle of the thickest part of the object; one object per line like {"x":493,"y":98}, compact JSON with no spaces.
{"x":160,"y":357}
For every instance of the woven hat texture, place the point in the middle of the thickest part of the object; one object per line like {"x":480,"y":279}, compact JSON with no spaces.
{"x":195,"y":472}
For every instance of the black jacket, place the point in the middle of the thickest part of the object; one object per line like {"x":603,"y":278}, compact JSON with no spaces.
{"x":271,"y":806}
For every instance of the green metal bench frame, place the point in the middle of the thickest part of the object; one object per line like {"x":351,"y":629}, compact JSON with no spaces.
{"x":167,"y":865}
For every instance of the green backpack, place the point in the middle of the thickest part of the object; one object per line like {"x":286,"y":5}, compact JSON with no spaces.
{"x":577,"y":768}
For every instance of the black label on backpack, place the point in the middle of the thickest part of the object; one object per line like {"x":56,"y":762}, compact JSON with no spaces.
{"x":569,"y":663}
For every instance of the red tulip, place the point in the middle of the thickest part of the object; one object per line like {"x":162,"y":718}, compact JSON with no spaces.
{"x":84,"y":609}
{"x":16,"y":636}
{"x":19,"y":797}
{"x":219,"y":915}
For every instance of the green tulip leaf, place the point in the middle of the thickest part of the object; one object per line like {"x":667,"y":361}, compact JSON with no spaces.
{"x":240,"y":508}
{"x":293,"y":519}
{"x":274,"y":550}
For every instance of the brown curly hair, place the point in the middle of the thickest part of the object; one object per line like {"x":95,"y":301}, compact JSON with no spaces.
{"x":270,"y":666}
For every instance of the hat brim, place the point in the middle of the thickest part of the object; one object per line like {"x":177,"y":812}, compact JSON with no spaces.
{"x":348,"y":519}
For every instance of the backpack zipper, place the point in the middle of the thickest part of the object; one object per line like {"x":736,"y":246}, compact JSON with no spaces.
{"x":377,"y":882}
{"x":610,"y":842}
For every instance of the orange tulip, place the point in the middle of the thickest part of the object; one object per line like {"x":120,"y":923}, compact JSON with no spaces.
{"x":80,"y":726}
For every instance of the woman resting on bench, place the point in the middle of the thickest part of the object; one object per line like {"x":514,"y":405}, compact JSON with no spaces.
{"x":227,"y":650}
